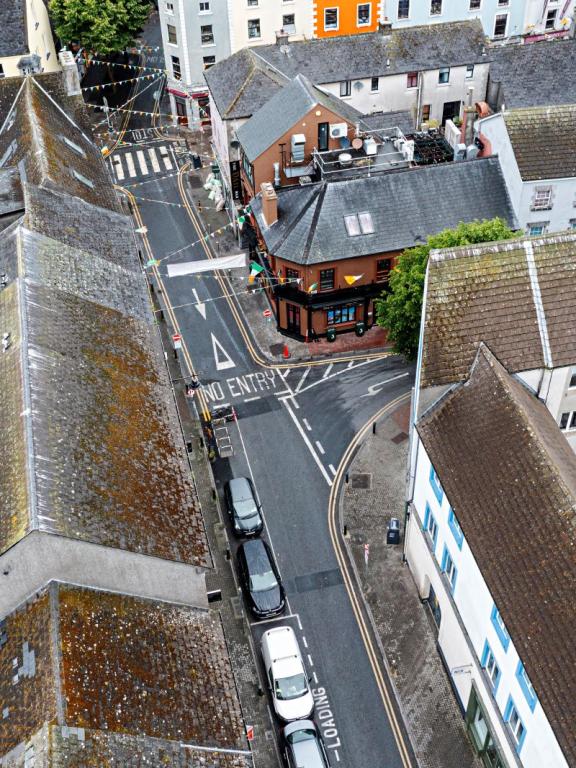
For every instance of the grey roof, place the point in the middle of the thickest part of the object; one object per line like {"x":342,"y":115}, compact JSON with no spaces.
{"x":403,"y":119}
{"x":544,"y":141}
{"x":11,"y":195}
{"x":535,"y":74}
{"x":490,"y":293}
{"x":243,"y":82}
{"x":510,"y":477}
{"x":286,"y":108}
{"x":13,"y":34}
{"x":406,"y":206}
{"x":139,"y":682}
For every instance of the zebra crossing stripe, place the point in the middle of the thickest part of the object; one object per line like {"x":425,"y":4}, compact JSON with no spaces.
{"x":117,"y":165}
{"x":142,"y":162}
{"x":165,"y":158}
{"x":154,"y":160}
{"x":130,"y":164}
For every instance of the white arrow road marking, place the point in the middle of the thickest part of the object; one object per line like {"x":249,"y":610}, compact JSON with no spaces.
{"x":199,"y":305}
{"x":304,"y":437}
{"x":226,"y":361}
{"x":374,"y":389}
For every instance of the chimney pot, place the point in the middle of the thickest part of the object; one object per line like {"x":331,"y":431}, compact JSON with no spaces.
{"x":269,"y":203}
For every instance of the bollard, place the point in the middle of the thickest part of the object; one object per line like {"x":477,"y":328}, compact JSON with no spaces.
{"x":189,"y":446}
{"x":346,"y":479}
{"x":345,"y":531}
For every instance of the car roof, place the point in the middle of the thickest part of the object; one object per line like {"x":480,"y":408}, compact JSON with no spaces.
{"x":240,"y":487}
{"x":281,"y":642}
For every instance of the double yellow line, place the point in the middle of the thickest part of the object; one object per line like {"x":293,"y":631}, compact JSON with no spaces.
{"x":349,"y":578}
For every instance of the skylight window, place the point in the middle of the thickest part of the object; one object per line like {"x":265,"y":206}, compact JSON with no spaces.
{"x":82,"y":179}
{"x":359,"y":224}
{"x":72,"y":144}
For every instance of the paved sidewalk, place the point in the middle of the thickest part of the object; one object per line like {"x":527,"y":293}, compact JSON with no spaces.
{"x":402,"y":622}
{"x":269,"y":341}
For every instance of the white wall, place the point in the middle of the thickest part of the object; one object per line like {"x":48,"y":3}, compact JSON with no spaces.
{"x":42,"y":557}
{"x":536,"y":12}
{"x":40,"y":41}
{"x":466,"y":625}
{"x":270,"y":13}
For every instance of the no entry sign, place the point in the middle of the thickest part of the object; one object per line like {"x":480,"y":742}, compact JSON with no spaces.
{"x":267,"y":313}
{"x":250,"y":732}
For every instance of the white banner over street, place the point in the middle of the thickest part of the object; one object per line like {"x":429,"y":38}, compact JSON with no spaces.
{"x":206,"y":265}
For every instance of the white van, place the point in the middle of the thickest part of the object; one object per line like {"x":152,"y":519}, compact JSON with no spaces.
{"x":286,"y":674}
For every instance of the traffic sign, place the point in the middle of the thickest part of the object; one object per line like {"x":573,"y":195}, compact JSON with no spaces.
{"x":267,"y":313}
{"x":250,"y":732}
{"x":366,"y":553}
{"x":177,"y":340}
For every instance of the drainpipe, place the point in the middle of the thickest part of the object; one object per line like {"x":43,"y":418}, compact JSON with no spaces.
{"x":419,"y":100}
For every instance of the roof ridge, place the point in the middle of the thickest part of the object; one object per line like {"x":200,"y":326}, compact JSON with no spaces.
{"x":13,"y":105}
{"x":59,"y":108}
{"x":296,"y":219}
{"x":314,"y":222}
{"x":249,"y":76}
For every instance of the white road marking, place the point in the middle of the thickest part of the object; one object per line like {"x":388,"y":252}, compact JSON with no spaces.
{"x":374,"y":389}
{"x":166,"y":158}
{"x":277,"y":618}
{"x":331,"y":468}
{"x":304,"y":641}
{"x":315,"y":677}
{"x":250,"y":399}
{"x":154,"y":160}
{"x":290,"y":397}
{"x":337,"y":756}
{"x":350,"y":364}
{"x":302,"y":380}
{"x":285,"y":373}
{"x":328,"y":369}
{"x":308,"y":427}
{"x":299,"y":622}
{"x":223,"y":360}
{"x":117,"y":163}
{"x":142,"y":162}
{"x":310,"y":662}
{"x":338,"y":373}
{"x":130,"y":164}
{"x":309,"y":445}
{"x":199,"y":305}
{"x":320,"y":448}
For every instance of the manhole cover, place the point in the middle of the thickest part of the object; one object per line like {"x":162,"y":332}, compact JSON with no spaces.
{"x":361,"y":480}
{"x":399,"y":438}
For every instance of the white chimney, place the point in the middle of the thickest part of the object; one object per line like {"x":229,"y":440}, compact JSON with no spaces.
{"x":70,"y":73}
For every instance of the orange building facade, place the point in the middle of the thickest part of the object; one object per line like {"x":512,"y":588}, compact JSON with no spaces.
{"x":345,"y":17}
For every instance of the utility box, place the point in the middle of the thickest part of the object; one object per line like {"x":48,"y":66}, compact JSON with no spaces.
{"x":360,"y":329}
{"x":393,"y":532}
{"x":331,"y":334}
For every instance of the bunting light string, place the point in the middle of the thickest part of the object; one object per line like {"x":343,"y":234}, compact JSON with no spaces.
{"x":120,"y":109}
{"x":138,"y":112}
{"x":118,"y":82}
{"x":161,"y":178}
{"x":156,"y":262}
{"x":101,"y":62}
{"x":162,"y":202}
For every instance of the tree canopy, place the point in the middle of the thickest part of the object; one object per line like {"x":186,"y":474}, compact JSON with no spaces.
{"x":399,"y":310}
{"x":99,"y":25}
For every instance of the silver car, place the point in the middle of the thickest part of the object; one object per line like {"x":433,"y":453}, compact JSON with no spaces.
{"x":303,"y":746}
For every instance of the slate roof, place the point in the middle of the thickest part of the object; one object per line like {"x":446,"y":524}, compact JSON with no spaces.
{"x":131,"y":679}
{"x":484,"y":294}
{"x":286,"y":108}
{"x":402,"y":119}
{"x":406,"y":206}
{"x":544,"y":141}
{"x":11,"y":195}
{"x":535,"y":74}
{"x":88,"y":426}
{"x":510,"y":476}
{"x":13,"y":35}
{"x":243,"y":82}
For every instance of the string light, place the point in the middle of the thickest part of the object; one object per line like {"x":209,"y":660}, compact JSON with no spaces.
{"x":119,"y":82}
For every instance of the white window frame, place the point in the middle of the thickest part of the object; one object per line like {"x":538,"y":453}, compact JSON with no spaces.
{"x":474,"y":9}
{"x":206,"y":11}
{"x":373,"y":80}
{"x":170,"y":9}
{"x":542,"y":199}
{"x":173,"y":26}
{"x":571,"y":422}
{"x":403,"y":18}
{"x":347,"y":89}
{"x":554,"y":12}
{"x":469,"y":71}
{"x":496,"y":17}
{"x":440,"y":12}
{"x":517,"y":729}
{"x":289,"y":28}
{"x":572,"y":376}
{"x":360,"y":24}
{"x":447,"y":81}
{"x":203,"y":44}
{"x":334,"y":28}
{"x":259,"y":35}
{"x":491,"y":667}
{"x":543,"y":224}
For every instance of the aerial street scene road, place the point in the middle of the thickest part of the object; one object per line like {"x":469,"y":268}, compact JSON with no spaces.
{"x":287,"y":384}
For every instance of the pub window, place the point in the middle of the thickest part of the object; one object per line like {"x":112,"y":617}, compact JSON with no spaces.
{"x":383,"y":268}
{"x":337,"y":315}
{"x":326,"y":279}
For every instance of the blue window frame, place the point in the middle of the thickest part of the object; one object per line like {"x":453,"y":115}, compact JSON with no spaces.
{"x":515,"y":724}
{"x":430,"y":526}
{"x":500,"y":628}
{"x":455,"y":528}
{"x":490,"y":667}
{"x":449,"y":569}
{"x":435,"y":483}
{"x":526,"y":685}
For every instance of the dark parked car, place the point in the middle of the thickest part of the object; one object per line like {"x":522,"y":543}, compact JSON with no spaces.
{"x":260,"y":579}
{"x":303,"y":746}
{"x":242,"y":507}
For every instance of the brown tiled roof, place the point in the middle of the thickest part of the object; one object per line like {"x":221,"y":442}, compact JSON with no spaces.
{"x":510,"y":476}
{"x":544,"y":141}
{"x":135,"y":680}
{"x":484,"y":293}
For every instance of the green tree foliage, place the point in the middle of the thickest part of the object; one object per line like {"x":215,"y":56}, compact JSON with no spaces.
{"x":99,"y":25}
{"x":399,"y":310}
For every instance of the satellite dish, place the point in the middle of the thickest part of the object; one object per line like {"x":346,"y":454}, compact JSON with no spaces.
{"x":358,"y":85}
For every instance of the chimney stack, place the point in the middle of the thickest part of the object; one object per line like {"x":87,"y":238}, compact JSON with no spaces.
{"x":70,"y":73}
{"x":385,"y":27}
{"x":282,"y":38}
{"x":269,"y":203}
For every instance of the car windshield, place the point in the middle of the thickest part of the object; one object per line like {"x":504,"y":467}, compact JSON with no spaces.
{"x":262,"y":582}
{"x":291,"y":687}
{"x":305,"y":734}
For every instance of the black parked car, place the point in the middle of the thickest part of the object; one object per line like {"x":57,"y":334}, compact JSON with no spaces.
{"x":260,"y":579}
{"x":242,"y":507}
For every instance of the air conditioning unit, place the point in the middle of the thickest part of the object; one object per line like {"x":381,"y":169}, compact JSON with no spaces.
{"x":298,"y":147}
{"x":338,"y":130}
{"x":459,"y":153}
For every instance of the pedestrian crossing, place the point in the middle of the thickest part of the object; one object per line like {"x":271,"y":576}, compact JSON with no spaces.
{"x":142,"y":162}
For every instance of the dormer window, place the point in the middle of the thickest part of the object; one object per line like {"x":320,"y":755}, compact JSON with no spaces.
{"x":82,"y":179}
{"x":72,"y":144}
